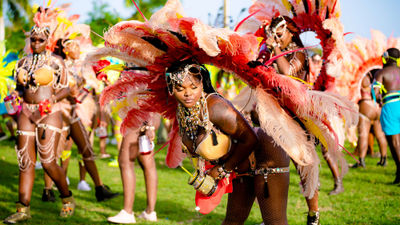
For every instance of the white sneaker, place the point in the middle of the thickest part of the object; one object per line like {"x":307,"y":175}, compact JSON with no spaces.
{"x":83,"y":186}
{"x":122,"y":217}
{"x":149,"y":216}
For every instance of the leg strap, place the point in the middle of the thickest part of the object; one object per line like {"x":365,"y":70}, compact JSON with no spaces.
{"x":22,"y":154}
{"x":48,"y":148}
{"x":50,"y":127}
{"x":26,"y":133}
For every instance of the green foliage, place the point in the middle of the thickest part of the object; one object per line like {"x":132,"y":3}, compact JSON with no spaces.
{"x":100,"y":19}
{"x":369,"y":196}
{"x":148,"y":7}
{"x":17,"y":10}
{"x":15,"y":36}
{"x":19,"y":14}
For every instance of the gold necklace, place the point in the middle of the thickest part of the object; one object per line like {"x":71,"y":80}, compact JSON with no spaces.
{"x":190,"y":119}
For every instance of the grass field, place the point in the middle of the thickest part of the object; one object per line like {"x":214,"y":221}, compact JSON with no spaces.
{"x":369,"y":196}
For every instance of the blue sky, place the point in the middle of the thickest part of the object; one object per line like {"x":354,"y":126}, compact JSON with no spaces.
{"x":358,"y":16}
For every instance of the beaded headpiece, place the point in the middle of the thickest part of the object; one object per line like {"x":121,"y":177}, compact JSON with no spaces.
{"x":40,"y":30}
{"x":270,"y":31}
{"x":178,"y":76}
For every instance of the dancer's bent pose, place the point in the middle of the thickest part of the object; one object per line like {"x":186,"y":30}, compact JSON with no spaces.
{"x":369,"y":114}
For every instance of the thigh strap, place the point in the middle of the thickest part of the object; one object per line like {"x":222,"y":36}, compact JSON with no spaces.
{"x":26,"y":133}
{"x":50,"y":127}
{"x":66,"y":128}
{"x":48,"y":148}
{"x":24,"y":161}
{"x":266,"y":171}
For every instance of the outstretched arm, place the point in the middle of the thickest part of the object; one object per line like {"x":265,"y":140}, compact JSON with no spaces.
{"x":230,"y":121}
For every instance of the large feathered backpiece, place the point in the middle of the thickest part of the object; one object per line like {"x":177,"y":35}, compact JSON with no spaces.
{"x":168,"y":37}
{"x":63,"y":26}
{"x":365,"y":55}
{"x":60,"y":25}
{"x":321,"y":17}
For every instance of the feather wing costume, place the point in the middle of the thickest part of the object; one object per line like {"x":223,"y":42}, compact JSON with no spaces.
{"x":168,"y":37}
{"x":365,"y":55}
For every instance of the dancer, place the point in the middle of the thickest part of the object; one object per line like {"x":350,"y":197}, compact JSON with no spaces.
{"x":81,"y":111}
{"x":127,"y":156}
{"x":369,"y":112}
{"x":357,"y":74}
{"x":180,"y":45}
{"x":386,"y":84}
{"x":281,"y":36}
{"x":41,"y":83}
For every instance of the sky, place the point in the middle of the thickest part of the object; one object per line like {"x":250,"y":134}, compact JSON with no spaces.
{"x":358,"y":16}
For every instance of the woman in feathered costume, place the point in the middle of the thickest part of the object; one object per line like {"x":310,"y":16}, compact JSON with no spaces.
{"x":168,"y":38}
{"x":280,"y":23}
{"x":79,"y":106}
{"x":355,"y":82}
{"x":41,"y":83}
{"x":79,"y":113}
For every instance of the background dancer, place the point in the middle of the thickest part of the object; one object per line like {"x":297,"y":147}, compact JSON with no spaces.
{"x":41,"y":83}
{"x":387,"y":84}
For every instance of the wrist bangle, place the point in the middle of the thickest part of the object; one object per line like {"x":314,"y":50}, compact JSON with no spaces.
{"x":275,"y":44}
{"x":223,"y":172}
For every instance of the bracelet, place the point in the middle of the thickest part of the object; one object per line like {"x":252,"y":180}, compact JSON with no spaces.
{"x":223,"y":172}
{"x":150,"y":128}
{"x":275,"y":44}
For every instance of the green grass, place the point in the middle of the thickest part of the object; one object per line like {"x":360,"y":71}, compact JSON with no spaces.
{"x":369,"y":196}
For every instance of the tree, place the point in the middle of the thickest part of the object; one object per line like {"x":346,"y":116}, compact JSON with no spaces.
{"x":146,"y":6}
{"x":101,"y":19}
{"x":16,"y":9}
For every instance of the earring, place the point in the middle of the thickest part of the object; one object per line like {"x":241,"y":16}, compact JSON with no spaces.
{"x":383,"y":60}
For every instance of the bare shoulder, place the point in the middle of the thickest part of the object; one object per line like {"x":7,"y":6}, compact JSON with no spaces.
{"x":220,"y":108}
{"x":58,"y":60}
{"x":216,"y":101}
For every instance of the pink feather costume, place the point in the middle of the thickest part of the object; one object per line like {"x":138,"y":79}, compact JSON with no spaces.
{"x":365,"y":55}
{"x":168,"y":37}
{"x":321,"y":17}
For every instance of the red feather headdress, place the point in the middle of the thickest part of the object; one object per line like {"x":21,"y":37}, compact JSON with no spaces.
{"x":169,"y":37}
{"x":365,"y":55}
{"x":321,"y":17}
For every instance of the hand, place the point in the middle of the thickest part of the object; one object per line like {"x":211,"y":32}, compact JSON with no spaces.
{"x":74,"y":91}
{"x":213,"y":172}
{"x":150,"y":133}
{"x":270,"y":41}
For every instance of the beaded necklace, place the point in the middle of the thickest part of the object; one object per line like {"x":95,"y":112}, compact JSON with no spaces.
{"x":190,"y":119}
{"x":31,"y":64}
